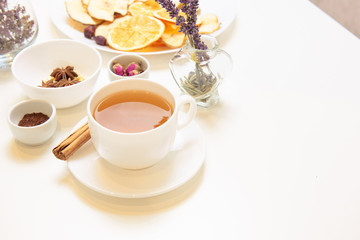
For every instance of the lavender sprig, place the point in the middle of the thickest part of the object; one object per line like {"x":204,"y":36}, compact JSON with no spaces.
{"x":201,"y":81}
{"x":187,"y":25}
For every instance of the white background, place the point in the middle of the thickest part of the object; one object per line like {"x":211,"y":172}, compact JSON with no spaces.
{"x":282,"y":145}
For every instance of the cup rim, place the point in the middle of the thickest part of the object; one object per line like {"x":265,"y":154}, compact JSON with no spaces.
{"x":90,"y":115}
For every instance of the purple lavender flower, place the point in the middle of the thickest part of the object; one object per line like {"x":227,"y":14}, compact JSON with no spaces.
{"x":169,"y":6}
{"x":187,"y":25}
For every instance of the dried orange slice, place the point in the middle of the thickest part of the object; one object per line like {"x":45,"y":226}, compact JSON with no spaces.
{"x":164,"y":15}
{"x":145,"y":8}
{"x":134,"y":32}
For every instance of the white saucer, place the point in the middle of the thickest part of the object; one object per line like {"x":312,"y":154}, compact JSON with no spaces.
{"x":181,"y":164}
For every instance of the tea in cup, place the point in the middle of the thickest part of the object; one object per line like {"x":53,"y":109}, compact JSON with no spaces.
{"x":133,"y":123}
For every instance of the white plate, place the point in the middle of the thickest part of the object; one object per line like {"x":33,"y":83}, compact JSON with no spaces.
{"x":225,"y":10}
{"x":181,"y":164}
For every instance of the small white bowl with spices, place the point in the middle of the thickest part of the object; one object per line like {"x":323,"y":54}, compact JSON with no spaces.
{"x":127,"y":66}
{"x":63,"y":59}
{"x":33,"y":121}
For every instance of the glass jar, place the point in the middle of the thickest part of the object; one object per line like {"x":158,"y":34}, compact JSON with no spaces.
{"x":199,"y":72}
{"x":18,"y":29}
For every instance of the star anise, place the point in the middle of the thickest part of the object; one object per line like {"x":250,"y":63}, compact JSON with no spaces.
{"x":64,"y":73}
{"x":66,"y":82}
{"x":62,"y":77}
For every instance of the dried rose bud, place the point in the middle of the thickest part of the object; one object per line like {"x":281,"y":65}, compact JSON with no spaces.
{"x":100,"y":40}
{"x":89,"y":31}
{"x":133,"y":73}
{"x":133,"y":66}
{"x":118,"y":69}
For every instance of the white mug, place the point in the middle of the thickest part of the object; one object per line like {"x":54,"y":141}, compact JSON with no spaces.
{"x":141,"y":149}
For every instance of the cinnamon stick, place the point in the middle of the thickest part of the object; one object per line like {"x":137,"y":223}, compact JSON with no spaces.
{"x":72,"y":143}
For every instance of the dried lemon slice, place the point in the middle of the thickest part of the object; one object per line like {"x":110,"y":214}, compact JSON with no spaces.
{"x":145,"y":8}
{"x":134,"y":32}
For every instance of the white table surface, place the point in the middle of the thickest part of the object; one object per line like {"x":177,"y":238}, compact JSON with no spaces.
{"x":283,"y":156}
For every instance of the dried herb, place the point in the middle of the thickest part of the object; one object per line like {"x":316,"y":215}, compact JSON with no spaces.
{"x":62,"y":77}
{"x":16,"y":27}
{"x":199,"y":82}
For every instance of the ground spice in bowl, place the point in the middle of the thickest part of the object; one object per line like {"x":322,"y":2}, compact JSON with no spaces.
{"x":33,"y":119}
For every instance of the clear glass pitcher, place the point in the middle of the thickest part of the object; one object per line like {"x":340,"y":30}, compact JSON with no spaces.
{"x":199,"y":72}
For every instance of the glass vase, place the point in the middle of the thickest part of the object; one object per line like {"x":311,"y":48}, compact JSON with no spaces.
{"x":200,"y":72}
{"x":18,"y":29}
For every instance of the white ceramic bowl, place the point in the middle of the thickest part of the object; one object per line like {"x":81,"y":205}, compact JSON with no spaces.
{"x":124,"y":60}
{"x":35,"y":63}
{"x":37,"y":134}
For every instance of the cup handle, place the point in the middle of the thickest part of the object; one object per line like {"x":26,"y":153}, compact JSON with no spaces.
{"x":187,"y":117}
